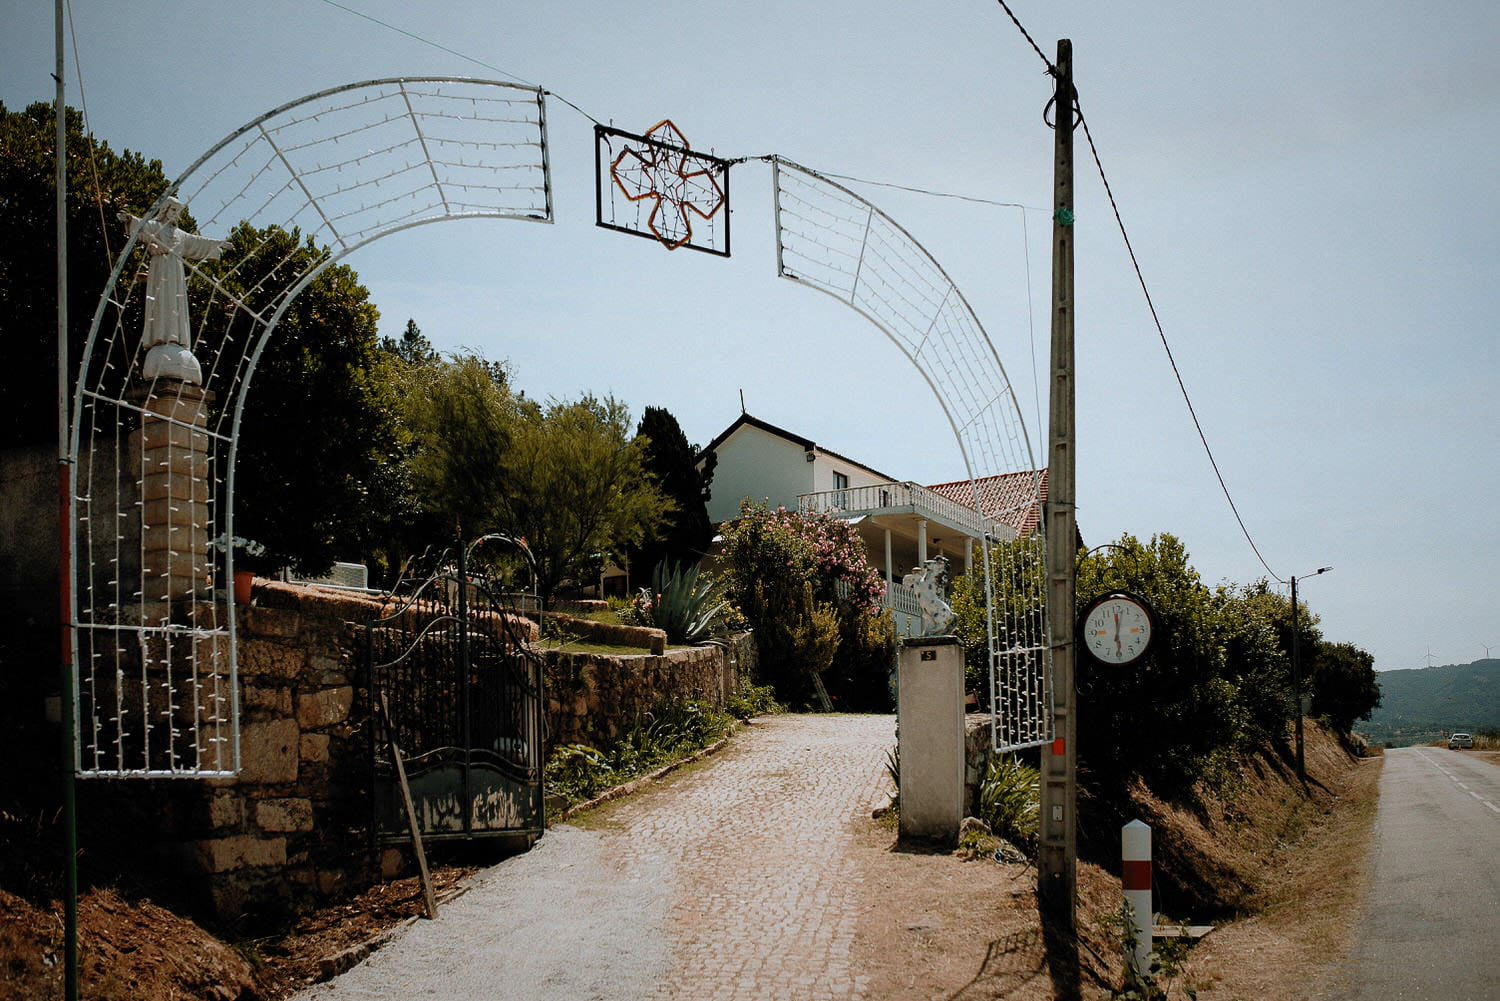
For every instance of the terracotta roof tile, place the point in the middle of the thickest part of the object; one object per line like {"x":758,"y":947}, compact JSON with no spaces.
{"x":1014,"y":499}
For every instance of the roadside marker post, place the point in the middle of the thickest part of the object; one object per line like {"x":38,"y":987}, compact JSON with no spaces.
{"x":1135,"y":856}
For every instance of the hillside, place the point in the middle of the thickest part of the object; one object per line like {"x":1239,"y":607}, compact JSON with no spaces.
{"x":1423,"y":704}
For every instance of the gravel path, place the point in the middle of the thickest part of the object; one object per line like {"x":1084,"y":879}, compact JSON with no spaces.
{"x":735,"y":881}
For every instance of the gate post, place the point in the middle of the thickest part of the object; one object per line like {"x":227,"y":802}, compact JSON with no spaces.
{"x":930,"y":737}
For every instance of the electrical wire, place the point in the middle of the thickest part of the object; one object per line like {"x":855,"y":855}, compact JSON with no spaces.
{"x":1160,"y":332}
{"x":88,"y":135}
{"x":462,"y":55}
{"x":935,"y":194}
{"x":1146,"y":291}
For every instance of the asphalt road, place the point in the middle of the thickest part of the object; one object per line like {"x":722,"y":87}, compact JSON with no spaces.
{"x":1431,"y":927}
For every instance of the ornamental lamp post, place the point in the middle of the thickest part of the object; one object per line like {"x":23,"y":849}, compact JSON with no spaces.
{"x":1297,"y":672}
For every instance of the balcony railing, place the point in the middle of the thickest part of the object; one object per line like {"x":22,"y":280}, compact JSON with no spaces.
{"x":895,"y":497}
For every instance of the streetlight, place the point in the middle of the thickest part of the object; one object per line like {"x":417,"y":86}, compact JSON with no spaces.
{"x":1297,"y":672}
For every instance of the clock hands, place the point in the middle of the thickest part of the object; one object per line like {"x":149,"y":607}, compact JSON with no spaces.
{"x":1117,"y":633}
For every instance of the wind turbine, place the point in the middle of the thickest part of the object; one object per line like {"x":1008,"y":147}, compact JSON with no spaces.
{"x":1487,"y":649}
{"x":1430,"y":657}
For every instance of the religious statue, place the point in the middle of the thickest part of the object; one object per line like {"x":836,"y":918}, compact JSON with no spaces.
{"x":167,"y":336}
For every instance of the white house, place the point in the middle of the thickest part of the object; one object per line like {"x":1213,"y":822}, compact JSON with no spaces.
{"x":903,"y":524}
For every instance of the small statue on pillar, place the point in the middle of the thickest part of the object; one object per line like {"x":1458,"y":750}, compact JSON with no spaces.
{"x":167,"y":335}
{"x":930,"y":585}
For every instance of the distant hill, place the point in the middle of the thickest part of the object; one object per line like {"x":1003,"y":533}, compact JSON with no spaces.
{"x":1422,"y":705}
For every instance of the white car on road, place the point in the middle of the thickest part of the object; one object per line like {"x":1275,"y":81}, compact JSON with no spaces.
{"x":1459,"y":740}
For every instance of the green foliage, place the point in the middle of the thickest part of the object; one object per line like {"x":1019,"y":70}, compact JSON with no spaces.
{"x":751,"y":700}
{"x":1174,"y":716}
{"x":126,"y":182}
{"x":672,"y":462}
{"x":1344,"y":688}
{"x":859,"y":679}
{"x":317,"y":429}
{"x":669,"y":733}
{"x":801,"y":582}
{"x":1010,"y":800}
{"x":573,"y":484}
{"x":461,"y":421}
{"x":684,"y":605}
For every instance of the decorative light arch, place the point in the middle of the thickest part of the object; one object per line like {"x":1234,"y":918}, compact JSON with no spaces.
{"x":151,"y":509}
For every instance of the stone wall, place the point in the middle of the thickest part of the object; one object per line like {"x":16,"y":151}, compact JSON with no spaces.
{"x":595,"y":699}
{"x":293,"y":829}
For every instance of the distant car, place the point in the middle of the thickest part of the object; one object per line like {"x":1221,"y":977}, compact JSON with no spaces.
{"x":1459,"y":740}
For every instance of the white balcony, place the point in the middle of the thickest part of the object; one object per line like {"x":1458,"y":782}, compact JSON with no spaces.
{"x":895,"y":500}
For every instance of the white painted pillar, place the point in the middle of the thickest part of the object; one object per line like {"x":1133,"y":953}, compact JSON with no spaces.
{"x":889,"y":570}
{"x":968,"y":555}
{"x":1135,"y":855}
{"x":930,"y":736}
{"x":921,"y":542}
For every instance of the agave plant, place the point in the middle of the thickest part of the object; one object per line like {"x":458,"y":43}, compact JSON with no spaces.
{"x":686,"y":607}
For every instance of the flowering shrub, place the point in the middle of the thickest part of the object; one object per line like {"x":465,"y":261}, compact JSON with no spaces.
{"x":803,"y":582}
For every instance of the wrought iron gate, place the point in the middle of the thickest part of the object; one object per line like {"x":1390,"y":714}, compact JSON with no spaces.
{"x":465,"y":698}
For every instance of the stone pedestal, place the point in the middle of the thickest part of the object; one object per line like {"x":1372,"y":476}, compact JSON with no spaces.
{"x":174,"y":475}
{"x":930,"y":740}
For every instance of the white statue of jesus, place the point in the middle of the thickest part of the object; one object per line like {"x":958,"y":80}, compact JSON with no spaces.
{"x":167,"y":336}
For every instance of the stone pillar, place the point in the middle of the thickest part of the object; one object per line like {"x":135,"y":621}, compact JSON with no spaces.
{"x":930,"y":737}
{"x":173,"y":453}
{"x":921,"y":543}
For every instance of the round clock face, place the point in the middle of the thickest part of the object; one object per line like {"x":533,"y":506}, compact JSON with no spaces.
{"x":1117,"y":628}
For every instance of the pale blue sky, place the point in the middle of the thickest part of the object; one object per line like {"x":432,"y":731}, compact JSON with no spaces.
{"x":1309,"y":188}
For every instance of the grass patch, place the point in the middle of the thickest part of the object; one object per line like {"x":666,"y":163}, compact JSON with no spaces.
{"x":567,"y":644}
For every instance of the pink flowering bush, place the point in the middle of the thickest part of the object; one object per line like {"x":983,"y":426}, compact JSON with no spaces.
{"x":805,"y":586}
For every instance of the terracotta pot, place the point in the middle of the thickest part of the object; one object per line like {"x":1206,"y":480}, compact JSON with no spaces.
{"x":243,"y":581}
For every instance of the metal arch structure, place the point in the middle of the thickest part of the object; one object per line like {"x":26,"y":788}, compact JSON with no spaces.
{"x":296,"y":190}
{"x":832,"y":240}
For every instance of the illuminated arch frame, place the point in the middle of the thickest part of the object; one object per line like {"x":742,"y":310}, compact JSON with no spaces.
{"x":265,"y":173}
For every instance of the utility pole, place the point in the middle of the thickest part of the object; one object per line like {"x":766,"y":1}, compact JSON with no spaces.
{"x":64,"y":539}
{"x":1297,"y":673}
{"x":1059,"y":792}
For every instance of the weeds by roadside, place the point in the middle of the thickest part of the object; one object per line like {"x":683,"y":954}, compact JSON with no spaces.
{"x":753,"y":700}
{"x":578,"y":772}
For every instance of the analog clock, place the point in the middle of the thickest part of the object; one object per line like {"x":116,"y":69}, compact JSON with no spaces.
{"x":1117,"y":628}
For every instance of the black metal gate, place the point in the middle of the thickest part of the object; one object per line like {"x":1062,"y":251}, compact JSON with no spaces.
{"x":464,"y":692}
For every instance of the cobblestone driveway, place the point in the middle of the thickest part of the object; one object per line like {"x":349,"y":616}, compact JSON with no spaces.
{"x":735,"y":881}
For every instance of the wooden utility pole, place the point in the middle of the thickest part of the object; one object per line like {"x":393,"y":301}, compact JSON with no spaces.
{"x":1059,"y":793}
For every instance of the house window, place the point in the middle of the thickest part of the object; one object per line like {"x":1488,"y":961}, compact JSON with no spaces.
{"x":840,"y":491}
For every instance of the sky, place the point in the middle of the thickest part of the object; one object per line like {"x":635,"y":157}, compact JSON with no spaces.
{"x":1309,"y":189}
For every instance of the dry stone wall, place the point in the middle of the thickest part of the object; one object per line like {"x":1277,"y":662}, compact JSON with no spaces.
{"x":595,"y":699}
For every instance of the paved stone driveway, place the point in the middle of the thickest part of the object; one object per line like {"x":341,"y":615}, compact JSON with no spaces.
{"x":735,"y":881}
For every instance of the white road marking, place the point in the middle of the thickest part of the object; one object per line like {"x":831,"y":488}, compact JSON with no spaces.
{"x":1432,"y":761}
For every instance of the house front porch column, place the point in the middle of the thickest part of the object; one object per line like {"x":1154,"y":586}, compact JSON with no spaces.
{"x":968,"y":555}
{"x":889,"y":570}
{"x":921,"y":542}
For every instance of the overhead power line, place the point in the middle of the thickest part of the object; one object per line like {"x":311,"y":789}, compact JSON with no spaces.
{"x":1146,"y":291}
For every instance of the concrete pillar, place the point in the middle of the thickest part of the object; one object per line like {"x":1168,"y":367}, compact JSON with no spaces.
{"x":968,"y":554}
{"x":890,"y":572}
{"x":174,"y":477}
{"x":921,"y":543}
{"x":930,"y":737}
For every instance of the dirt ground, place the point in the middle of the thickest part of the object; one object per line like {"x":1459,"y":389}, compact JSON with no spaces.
{"x":937,"y":926}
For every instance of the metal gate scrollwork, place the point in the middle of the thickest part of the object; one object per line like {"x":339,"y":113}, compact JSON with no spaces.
{"x":464,"y":689}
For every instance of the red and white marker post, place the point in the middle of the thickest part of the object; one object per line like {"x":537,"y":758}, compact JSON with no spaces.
{"x":1135,"y":854}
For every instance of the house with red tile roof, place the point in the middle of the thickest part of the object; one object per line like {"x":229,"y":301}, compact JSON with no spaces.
{"x":902,"y":523}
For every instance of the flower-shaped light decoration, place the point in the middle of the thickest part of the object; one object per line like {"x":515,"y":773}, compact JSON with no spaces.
{"x":667,"y":173}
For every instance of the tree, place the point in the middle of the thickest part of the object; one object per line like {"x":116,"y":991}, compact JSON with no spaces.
{"x":805,"y":585}
{"x":1344,"y":688}
{"x":673,"y":463}
{"x":1173,"y":716}
{"x":461,"y":422}
{"x":317,"y":431}
{"x":99,"y":187}
{"x":573,"y":484}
